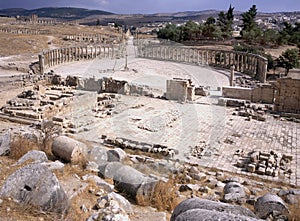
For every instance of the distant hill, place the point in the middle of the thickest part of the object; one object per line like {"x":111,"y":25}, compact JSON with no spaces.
{"x":54,"y":12}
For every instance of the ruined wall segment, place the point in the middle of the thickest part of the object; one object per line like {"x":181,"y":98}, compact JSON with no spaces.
{"x":288,"y":96}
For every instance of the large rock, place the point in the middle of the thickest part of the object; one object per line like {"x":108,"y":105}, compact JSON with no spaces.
{"x":134,"y":183}
{"x":268,"y":204}
{"x":210,"y":215}
{"x":36,"y":185}
{"x":124,"y":204}
{"x":99,"y":182}
{"x":97,"y":155}
{"x":69,"y":149}
{"x":234,"y":192}
{"x":5,"y":144}
{"x":203,"y":204}
{"x":34,"y":155}
{"x":116,"y":155}
{"x":108,"y":170}
{"x":128,"y":180}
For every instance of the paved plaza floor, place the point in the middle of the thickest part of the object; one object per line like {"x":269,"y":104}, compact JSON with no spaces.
{"x":183,"y":126}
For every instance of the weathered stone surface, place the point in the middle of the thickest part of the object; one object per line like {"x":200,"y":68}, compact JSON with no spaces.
{"x":34,"y":155}
{"x":36,"y":185}
{"x":56,"y":165}
{"x":108,"y":170}
{"x":269,"y":203}
{"x":203,"y":204}
{"x":123,"y":202}
{"x":99,"y":182}
{"x":98,"y":155}
{"x":132,"y":182}
{"x":5,"y":144}
{"x":116,"y":155}
{"x":233,"y":192}
{"x":210,"y":215}
{"x":68,"y":149}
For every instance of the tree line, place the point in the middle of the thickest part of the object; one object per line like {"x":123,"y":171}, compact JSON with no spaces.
{"x":253,"y":37}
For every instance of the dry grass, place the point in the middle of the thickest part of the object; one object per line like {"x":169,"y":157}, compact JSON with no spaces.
{"x":21,"y":145}
{"x":12,"y":44}
{"x":163,"y":197}
{"x":294,"y":212}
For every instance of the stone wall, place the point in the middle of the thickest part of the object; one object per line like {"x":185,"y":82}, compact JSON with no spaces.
{"x":288,"y":96}
{"x":180,"y":89}
{"x":251,"y":64}
{"x":237,"y":93}
{"x":264,"y":93}
{"x":64,"y":55}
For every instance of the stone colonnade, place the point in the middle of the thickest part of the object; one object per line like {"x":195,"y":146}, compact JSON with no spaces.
{"x":64,"y":55}
{"x":25,"y":31}
{"x":252,"y":64}
{"x":91,"y":37}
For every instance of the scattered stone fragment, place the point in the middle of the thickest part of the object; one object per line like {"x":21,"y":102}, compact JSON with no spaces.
{"x":33,"y":155}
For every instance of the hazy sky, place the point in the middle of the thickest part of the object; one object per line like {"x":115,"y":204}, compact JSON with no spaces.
{"x":153,"y":6}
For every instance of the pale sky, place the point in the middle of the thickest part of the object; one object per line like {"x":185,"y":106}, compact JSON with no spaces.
{"x":155,"y":6}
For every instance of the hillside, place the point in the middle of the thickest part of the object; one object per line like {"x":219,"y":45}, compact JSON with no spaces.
{"x":54,"y":12}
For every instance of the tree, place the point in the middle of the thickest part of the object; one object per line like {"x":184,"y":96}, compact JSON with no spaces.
{"x":270,"y":37}
{"x":98,"y":22}
{"x":249,"y":19}
{"x":250,"y":32}
{"x":289,"y":59}
{"x":170,"y":32}
{"x":225,"y":21}
{"x":190,"y":31}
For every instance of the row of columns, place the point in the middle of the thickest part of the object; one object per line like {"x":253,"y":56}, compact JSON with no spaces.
{"x":64,"y":55}
{"x":89,"y":38}
{"x":25,"y":31}
{"x":251,"y":64}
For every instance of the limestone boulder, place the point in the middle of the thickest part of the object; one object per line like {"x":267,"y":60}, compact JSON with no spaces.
{"x":128,"y":180}
{"x":5,"y":144}
{"x":97,"y":155}
{"x":268,"y":204}
{"x":116,"y":155}
{"x":37,"y":186}
{"x":234,"y":192}
{"x":33,"y":155}
{"x":210,"y":215}
{"x":99,"y":182}
{"x":108,"y":170}
{"x":203,"y":204}
{"x":124,"y":204}
{"x":68,"y":149}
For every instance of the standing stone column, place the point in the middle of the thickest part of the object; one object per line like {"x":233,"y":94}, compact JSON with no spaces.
{"x":232,"y":75}
{"x":42,"y":63}
{"x":242,"y":68}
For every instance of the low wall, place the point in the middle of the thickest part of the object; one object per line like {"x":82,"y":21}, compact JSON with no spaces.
{"x":264,"y":93}
{"x":237,"y":93}
{"x":251,"y":64}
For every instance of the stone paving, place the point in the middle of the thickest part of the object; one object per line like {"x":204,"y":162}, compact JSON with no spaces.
{"x":183,"y":126}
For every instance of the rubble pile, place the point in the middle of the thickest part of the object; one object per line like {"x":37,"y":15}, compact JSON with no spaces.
{"x":124,"y":143}
{"x":252,"y":112}
{"x":105,"y":104}
{"x":267,"y":163}
{"x":246,"y":81}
